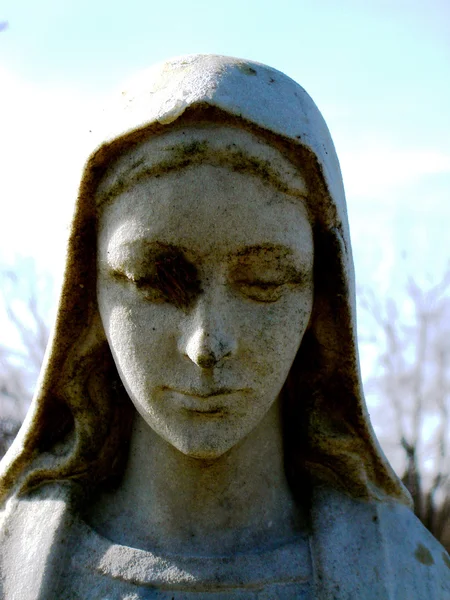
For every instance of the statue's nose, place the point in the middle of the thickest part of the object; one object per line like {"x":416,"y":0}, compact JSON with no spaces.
{"x":206,"y":348}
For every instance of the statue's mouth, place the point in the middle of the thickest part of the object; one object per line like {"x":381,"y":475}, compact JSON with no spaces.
{"x":205,"y":403}
{"x":212,"y":413}
{"x":196,"y":393}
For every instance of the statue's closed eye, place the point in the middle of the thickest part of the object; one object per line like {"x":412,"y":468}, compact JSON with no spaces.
{"x":263,"y":273}
{"x":162,"y":273}
{"x":166,"y":277}
{"x":261,"y":291}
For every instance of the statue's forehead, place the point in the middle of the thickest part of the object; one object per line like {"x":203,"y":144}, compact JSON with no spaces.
{"x":202,"y":144}
{"x":206,"y":209}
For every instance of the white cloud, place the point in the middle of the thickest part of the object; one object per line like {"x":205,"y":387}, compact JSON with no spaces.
{"x":44,"y":140}
{"x":372,"y":170}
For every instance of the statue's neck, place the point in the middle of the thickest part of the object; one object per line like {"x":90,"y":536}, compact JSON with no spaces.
{"x":176,"y":504}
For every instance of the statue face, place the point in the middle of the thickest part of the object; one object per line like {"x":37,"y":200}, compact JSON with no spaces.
{"x":205,"y":292}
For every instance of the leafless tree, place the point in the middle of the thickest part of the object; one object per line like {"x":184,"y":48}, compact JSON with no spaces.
{"x":26,"y":300}
{"x":411,"y":384}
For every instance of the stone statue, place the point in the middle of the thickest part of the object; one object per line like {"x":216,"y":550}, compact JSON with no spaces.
{"x":199,"y":428}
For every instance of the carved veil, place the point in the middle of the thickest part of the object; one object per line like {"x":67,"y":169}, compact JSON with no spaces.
{"x":77,"y":428}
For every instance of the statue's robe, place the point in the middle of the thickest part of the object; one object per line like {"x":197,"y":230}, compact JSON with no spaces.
{"x":356,"y":551}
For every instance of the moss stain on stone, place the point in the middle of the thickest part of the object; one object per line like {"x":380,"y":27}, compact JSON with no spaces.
{"x":198,"y":152}
{"x":192,"y":149}
{"x":138,"y":163}
{"x":246,"y":69}
{"x":423,"y":555}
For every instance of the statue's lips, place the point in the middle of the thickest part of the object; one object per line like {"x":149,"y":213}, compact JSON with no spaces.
{"x":215,"y":403}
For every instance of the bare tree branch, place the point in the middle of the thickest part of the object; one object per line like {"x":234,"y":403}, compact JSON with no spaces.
{"x":412,"y":381}
{"x":27,"y":299}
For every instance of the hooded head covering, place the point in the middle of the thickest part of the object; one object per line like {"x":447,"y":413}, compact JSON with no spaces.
{"x":78,"y":426}
{"x":365,"y":542}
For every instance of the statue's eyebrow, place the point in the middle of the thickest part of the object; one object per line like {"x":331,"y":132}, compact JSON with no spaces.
{"x":277,"y":251}
{"x":151,"y":248}
{"x":144,"y":253}
{"x":271,"y":256}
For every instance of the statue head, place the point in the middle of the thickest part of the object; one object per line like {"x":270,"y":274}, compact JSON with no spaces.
{"x":204,"y":279}
{"x":209,"y":274}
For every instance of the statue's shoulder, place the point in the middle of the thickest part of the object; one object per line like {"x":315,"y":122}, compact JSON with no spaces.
{"x":34,"y":542}
{"x":415,"y":557}
{"x":375,"y":551}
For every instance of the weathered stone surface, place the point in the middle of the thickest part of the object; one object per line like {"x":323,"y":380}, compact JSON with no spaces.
{"x":200,"y":427}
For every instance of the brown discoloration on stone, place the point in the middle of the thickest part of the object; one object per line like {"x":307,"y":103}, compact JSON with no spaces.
{"x":423,"y":555}
{"x":164,"y":275}
{"x":196,"y":148}
{"x":244,"y":68}
{"x":446,"y":559}
{"x":195,"y":153}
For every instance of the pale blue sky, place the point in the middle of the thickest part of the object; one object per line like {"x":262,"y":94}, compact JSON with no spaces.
{"x":385,"y":61}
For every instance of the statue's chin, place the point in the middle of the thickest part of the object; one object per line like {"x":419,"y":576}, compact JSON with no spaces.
{"x":206,"y":454}
{"x":208,"y":446}
{"x":208,"y":432}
